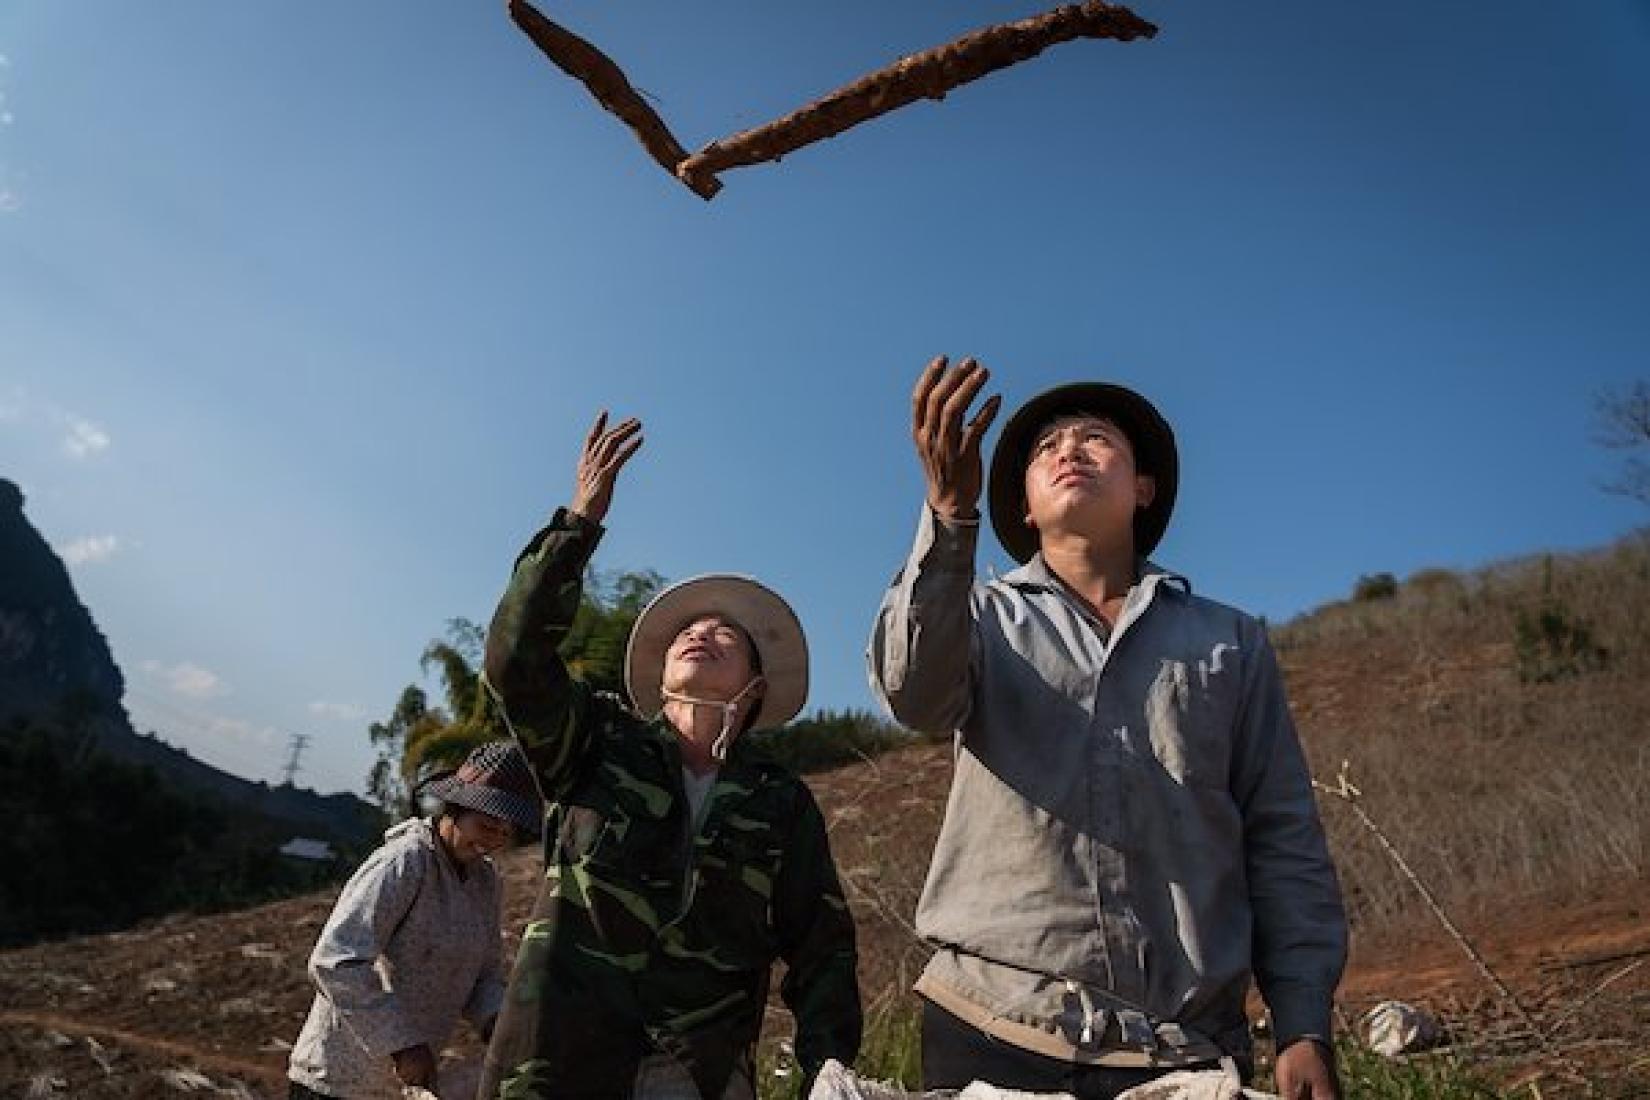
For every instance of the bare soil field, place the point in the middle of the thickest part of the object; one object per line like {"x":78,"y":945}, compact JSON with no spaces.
{"x":208,"y":1005}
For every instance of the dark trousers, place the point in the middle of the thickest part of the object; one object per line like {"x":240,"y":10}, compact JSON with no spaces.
{"x":955,"y":1053}
{"x":295,"y":1091}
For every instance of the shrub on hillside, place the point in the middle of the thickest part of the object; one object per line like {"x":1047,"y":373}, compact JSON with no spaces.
{"x":1436,"y":584}
{"x":94,"y":844}
{"x":829,"y":739}
{"x":1375,"y":586}
{"x":1552,"y":646}
{"x":1494,"y":767}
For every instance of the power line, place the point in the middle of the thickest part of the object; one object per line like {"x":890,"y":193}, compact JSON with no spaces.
{"x":213,"y":740}
{"x":299,"y":740}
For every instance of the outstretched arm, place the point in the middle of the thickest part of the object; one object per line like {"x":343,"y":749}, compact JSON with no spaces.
{"x":548,"y":712}
{"x":921,"y":648}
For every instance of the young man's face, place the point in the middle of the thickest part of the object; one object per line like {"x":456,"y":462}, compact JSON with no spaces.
{"x":1081,"y":478}
{"x":710,"y":658}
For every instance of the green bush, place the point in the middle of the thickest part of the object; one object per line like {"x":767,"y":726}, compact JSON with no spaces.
{"x":1374,"y":586}
{"x":1552,"y":646}
{"x":829,"y":739}
{"x":94,"y":844}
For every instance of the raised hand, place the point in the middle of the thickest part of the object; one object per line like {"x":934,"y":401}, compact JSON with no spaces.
{"x":606,"y":450}
{"x":949,"y":449}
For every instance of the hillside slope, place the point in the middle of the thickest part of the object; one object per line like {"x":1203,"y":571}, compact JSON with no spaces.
{"x":110,"y":1016}
{"x":58,"y":673}
{"x":1508,"y":764}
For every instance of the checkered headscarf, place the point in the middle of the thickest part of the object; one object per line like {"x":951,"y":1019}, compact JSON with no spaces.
{"x":495,"y":779}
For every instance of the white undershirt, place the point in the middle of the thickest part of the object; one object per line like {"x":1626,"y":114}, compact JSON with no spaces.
{"x":697,"y":788}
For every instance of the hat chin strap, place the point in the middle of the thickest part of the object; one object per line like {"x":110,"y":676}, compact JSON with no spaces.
{"x":719,"y":747}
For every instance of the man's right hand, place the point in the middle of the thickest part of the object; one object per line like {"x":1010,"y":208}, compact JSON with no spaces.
{"x":1305,"y":1070}
{"x":605,"y":453}
{"x":949,"y":450}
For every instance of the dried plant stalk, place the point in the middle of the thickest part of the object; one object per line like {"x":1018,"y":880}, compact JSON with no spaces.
{"x":926,"y":75}
{"x":1349,"y":794}
{"x":607,"y":82}
{"x":1569,"y":1013}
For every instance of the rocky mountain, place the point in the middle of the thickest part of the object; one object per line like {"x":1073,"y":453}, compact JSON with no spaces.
{"x":55,"y":665}
{"x":57,"y":673}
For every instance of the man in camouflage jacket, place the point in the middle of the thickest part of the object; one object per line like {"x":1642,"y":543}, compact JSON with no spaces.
{"x":679,"y":864}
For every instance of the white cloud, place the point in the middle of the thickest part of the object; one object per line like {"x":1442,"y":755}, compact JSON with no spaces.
{"x":343,"y":712}
{"x":237,"y":745}
{"x":11,"y":198}
{"x":85,"y":438}
{"x":89,"y":549}
{"x":187,"y":679}
{"x":237,"y":729}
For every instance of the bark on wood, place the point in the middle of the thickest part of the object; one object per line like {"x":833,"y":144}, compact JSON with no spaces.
{"x":926,"y":75}
{"x":930,"y":74}
{"x":597,"y":72}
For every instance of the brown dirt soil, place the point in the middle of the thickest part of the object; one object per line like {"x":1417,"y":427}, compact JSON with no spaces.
{"x":224,"y":995}
{"x":1579,"y":966}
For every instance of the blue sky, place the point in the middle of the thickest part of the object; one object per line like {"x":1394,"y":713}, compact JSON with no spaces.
{"x":304,"y":309}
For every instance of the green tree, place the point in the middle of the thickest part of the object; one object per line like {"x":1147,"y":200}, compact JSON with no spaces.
{"x":384,"y":781}
{"x":445,"y":737}
{"x":595,"y":646}
{"x":126,"y":843}
{"x":418,"y":740}
{"x":830,"y":739}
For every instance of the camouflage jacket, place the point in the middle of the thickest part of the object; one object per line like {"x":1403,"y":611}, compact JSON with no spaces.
{"x":646,"y":937}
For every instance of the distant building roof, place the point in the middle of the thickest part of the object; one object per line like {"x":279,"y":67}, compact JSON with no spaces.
{"x":303,"y":848}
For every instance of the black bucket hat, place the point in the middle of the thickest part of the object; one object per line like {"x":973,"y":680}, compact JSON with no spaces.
{"x":1149,"y":434}
{"x":496,"y":780}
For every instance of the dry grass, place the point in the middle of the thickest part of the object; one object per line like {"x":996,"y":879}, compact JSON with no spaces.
{"x":1498,"y":764}
{"x":1496,"y":788}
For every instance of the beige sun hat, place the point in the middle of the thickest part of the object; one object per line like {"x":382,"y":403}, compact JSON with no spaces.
{"x":762,"y":612}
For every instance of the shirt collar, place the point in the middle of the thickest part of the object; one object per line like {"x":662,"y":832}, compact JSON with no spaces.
{"x":1035,"y":574}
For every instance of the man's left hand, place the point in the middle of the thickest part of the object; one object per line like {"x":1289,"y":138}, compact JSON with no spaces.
{"x":1306,"y":1071}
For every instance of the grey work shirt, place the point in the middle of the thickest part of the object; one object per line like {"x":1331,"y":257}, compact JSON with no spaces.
{"x":1131,"y":832}
{"x":410,"y":946}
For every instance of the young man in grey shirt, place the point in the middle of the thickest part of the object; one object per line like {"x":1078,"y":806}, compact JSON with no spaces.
{"x":1131,"y":835}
